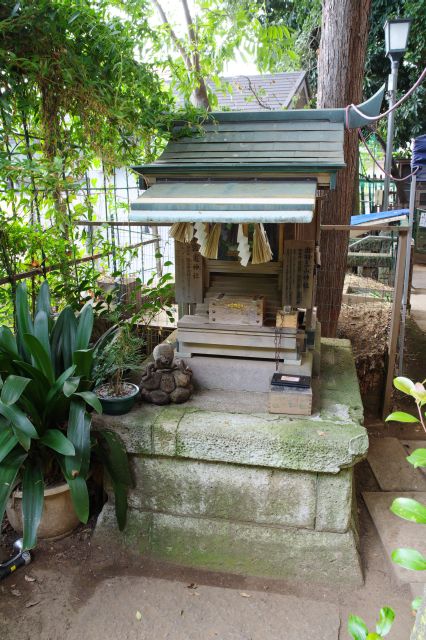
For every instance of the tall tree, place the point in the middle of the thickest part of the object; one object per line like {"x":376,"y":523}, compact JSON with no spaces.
{"x":341,"y":60}
{"x":303,"y":17}
{"x":202,"y":37}
{"x":189,"y":49}
{"x":410,"y":120}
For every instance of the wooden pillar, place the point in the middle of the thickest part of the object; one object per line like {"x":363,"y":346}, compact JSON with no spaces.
{"x":396,"y":317}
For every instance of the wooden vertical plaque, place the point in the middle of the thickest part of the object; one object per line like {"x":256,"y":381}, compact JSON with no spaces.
{"x":298,"y":273}
{"x":188,"y":273}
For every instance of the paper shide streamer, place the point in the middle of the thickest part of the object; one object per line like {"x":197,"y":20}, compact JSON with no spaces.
{"x":207,"y":236}
{"x":244,"y":252}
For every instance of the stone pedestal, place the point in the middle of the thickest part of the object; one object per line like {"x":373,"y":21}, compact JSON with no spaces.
{"x":223,"y":485}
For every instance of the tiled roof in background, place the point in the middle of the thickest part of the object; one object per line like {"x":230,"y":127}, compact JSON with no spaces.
{"x":272,"y":91}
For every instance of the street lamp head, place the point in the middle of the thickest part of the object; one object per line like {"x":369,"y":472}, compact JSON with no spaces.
{"x":396,"y":37}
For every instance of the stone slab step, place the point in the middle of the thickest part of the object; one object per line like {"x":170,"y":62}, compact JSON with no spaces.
{"x":388,"y":460}
{"x":411,"y":445}
{"x":395,"y":532}
{"x":169,"y":609}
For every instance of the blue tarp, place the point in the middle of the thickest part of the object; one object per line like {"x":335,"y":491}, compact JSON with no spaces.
{"x":380,"y":215}
{"x":419,"y":157}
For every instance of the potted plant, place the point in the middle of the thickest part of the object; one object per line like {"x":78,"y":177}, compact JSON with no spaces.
{"x":45,"y":420}
{"x":119,"y":351}
{"x":118,"y":355}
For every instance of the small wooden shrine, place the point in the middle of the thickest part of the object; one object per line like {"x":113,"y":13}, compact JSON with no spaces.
{"x":240,"y":194}
{"x":221,"y":484}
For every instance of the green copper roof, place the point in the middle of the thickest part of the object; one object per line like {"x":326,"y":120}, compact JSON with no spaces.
{"x":256,"y":143}
{"x":294,"y":141}
{"x":226,"y":201}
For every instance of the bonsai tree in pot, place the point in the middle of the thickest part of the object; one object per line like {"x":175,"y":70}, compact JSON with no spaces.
{"x":119,"y":354}
{"x":45,"y":420}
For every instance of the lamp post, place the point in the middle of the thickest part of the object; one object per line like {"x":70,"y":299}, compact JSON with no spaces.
{"x":396,"y":38}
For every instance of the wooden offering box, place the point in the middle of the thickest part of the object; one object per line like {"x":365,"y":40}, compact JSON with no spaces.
{"x":238,"y":310}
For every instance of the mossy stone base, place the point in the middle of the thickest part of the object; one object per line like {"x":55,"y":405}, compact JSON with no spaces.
{"x":222,"y":484}
{"x":237,"y":547}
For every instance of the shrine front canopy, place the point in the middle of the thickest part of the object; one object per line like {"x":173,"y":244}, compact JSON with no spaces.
{"x":248,"y":166}
{"x":229,"y":201}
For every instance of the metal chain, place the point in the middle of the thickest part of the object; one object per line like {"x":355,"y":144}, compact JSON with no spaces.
{"x":277,"y":344}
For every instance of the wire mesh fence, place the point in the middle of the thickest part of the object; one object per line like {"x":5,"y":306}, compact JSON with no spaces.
{"x":370,"y":311}
{"x":371,"y":188}
{"x":113,"y":195}
{"x":103,"y":245}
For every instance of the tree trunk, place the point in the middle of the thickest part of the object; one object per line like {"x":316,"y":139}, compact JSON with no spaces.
{"x":340,"y":74}
{"x":200,"y":97}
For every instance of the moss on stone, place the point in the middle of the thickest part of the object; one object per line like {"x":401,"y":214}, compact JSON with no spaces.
{"x":247,"y":549}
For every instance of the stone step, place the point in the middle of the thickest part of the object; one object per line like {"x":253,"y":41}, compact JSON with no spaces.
{"x":168,"y":609}
{"x":417,"y":589}
{"x":411,"y":445}
{"x":388,"y":460}
{"x":395,"y":532}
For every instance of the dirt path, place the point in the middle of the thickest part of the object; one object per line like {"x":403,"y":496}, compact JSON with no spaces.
{"x":72,"y":592}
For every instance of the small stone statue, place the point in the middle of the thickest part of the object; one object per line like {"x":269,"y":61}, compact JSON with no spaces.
{"x":165,"y":380}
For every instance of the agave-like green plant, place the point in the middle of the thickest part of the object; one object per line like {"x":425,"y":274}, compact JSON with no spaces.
{"x":45,"y":421}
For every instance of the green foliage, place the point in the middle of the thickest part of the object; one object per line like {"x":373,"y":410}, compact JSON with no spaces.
{"x":401,"y":416}
{"x":410,"y":120}
{"x":405,"y":508}
{"x":73,"y":64}
{"x":358,"y":630}
{"x":119,"y":354}
{"x":409,"y":509}
{"x":119,"y":351}
{"x":197,"y":47}
{"x":418,"y":458}
{"x":73,"y":94}
{"x":304,"y":19}
{"x":45,"y":424}
{"x":409,"y":559}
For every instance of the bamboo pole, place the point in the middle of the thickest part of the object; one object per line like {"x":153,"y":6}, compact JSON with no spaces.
{"x":53,"y":267}
{"x":111,"y":223}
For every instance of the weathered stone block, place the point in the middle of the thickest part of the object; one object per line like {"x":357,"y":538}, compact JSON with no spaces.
{"x":338,"y":367}
{"x":164,"y":431}
{"x":312,"y":443}
{"x":233,"y":492}
{"x":134,"y":428}
{"x":303,"y":444}
{"x":334,"y":501}
{"x":331,"y":439}
{"x":239,"y":548}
